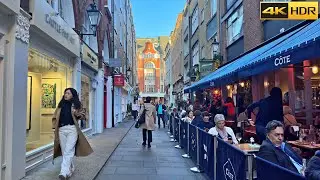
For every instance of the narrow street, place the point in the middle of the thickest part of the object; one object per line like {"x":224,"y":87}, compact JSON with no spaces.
{"x":131,"y":161}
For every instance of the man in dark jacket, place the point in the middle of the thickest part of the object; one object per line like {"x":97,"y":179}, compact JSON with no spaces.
{"x":313,"y":168}
{"x":161,"y":108}
{"x":270,"y":109}
{"x":273,"y":149}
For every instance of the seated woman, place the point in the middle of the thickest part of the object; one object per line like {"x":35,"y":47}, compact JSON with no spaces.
{"x":190,"y":117}
{"x":222,"y":131}
{"x":291,"y":127}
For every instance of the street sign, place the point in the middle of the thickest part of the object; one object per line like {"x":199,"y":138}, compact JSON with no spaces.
{"x":115,"y":62}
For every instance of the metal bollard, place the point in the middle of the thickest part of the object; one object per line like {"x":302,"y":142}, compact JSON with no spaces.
{"x":215,"y":147}
{"x":187,"y":155}
{"x":250,"y":167}
{"x":173,"y":130}
{"x":179,"y":134}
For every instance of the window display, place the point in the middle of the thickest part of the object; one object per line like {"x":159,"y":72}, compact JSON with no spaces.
{"x":47,"y":79}
{"x":85,"y":100}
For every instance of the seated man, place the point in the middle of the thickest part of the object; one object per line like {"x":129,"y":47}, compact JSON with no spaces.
{"x":205,"y":124}
{"x":273,"y":149}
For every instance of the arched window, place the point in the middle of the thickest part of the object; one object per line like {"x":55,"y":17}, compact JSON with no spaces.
{"x":149,"y":65}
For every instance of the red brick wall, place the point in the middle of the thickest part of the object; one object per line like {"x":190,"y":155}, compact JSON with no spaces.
{"x":252,"y":26}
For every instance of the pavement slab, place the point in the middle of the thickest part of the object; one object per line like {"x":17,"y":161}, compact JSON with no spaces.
{"x":87,"y":168}
{"x":132,"y":161}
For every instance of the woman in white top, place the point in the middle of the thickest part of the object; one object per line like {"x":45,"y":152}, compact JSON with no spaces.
{"x":221,"y":131}
{"x":135,"y":109}
{"x":190,"y":117}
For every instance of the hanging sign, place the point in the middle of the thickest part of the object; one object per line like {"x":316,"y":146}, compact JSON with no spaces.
{"x":119,"y":80}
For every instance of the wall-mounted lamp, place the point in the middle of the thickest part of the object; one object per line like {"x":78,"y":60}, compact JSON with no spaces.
{"x":315,"y":69}
{"x":216,"y":92}
{"x":94,"y":17}
{"x":266,"y":84}
{"x":242,"y":84}
{"x":228,"y":87}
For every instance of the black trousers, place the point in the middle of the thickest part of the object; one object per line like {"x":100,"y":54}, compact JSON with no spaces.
{"x":144,"y":135}
{"x":161,"y":116}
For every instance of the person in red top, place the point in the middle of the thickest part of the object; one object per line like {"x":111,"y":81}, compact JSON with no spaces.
{"x":230,"y":109}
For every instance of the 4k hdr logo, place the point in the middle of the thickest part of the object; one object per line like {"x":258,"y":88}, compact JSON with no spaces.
{"x":289,"y":10}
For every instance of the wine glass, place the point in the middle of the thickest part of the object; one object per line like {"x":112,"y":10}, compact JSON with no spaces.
{"x":239,"y":137}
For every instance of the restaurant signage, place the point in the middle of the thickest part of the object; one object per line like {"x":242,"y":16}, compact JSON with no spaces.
{"x":118,"y":80}
{"x":282,"y":60}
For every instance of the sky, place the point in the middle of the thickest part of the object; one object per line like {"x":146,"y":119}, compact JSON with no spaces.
{"x":155,"y":17}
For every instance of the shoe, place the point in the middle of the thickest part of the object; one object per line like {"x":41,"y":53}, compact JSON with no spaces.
{"x":149,"y":145}
{"x":62,"y":177}
{"x":144,"y":144}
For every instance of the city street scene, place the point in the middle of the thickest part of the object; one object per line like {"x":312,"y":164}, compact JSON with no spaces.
{"x":159,"y":90}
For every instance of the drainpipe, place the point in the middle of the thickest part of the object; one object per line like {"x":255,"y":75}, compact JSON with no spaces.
{"x":112,"y":55}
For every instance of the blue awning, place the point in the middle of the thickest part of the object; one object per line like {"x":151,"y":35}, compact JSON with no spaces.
{"x":300,"y":44}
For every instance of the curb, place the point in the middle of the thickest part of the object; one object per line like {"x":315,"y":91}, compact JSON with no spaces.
{"x":113,"y":152}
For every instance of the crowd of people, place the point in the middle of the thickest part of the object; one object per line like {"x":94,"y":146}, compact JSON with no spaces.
{"x":272,"y":118}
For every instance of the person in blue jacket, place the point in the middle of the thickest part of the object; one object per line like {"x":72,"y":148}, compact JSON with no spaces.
{"x":270,"y":108}
{"x":313,"y":167}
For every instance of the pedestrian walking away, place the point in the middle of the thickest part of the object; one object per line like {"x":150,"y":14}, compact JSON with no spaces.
{"x":69,"y":140}
{"x":135,"y":109}
{"x":150,"y":120}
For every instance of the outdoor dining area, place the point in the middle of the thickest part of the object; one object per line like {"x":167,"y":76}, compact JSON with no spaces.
{"x":220,"y":159}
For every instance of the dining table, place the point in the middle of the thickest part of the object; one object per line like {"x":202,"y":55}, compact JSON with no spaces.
{"x":248,"y":147}
{"x":304,"y":145}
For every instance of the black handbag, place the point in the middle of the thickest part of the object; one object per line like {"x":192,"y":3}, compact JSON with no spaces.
{"x":142,"y":118}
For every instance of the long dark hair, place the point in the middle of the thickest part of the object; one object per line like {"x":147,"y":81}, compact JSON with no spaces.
{"x":75,"y":99}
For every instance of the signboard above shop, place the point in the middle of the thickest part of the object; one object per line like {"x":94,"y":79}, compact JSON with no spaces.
{"x":115,"y":62}
{"x":89,"y":57}
{"x":51,"y":24}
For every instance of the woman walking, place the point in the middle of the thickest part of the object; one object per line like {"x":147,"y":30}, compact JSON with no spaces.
{"x":150,"y":120}
{"x":69,"y":140}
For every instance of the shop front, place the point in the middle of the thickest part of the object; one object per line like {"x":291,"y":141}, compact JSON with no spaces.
{"x":89,"y":71}
{"x":119,"y":83}
{"x":289,"y":61}
{"x":53,"y":65}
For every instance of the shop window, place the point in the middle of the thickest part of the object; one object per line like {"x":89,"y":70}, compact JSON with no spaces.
{"x":234,"y":25}
{"x":85,"y":100}
{"x":47,"y":79}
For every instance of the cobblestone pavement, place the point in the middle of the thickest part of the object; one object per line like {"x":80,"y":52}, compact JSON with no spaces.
{"x":86,"y":167}
{"x":131,"y":161}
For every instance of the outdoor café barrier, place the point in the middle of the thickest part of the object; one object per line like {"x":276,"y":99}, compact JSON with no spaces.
{"x":267,"y":170}
{"x":230,"y":161}
{"x":220,"y":160}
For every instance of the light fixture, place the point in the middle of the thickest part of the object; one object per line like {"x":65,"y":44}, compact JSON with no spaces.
{"x":94,"y":16}
{"x":228,"y":87}
{"x":266,"y":84}
{"x":128,"y":71}
{"x":242,"y":84}
{"x":315,"y":69}
{"x":216,"y":92}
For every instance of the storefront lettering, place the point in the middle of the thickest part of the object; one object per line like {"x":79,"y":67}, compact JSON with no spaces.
{"x":282,"y":60}
{"x":59,"y":29}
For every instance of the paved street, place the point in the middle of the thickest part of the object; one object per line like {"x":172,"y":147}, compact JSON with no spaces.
{"x":87,"y":167}
{"x":131,"y":161}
